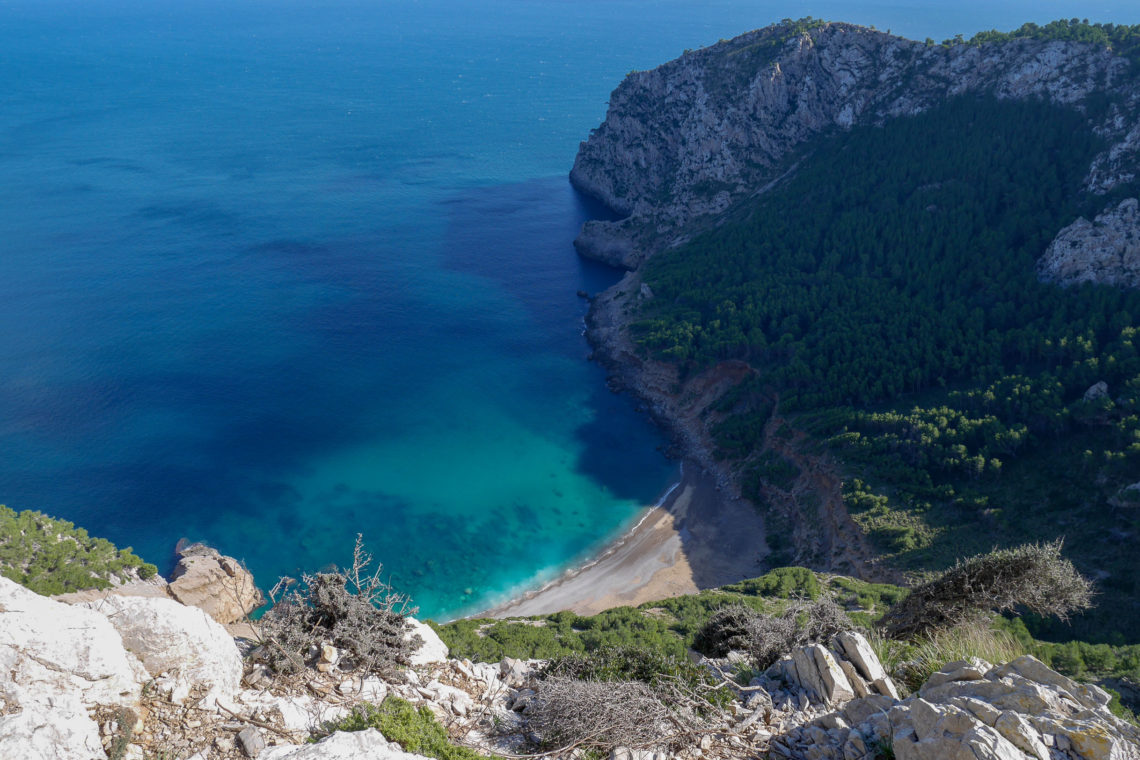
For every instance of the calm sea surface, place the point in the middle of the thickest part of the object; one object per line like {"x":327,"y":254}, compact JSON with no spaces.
{"x":273,"y":274}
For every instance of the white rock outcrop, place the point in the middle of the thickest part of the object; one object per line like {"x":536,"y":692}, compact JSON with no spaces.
{"x":182,"y":647}
{"x":369,"y":744}
{"x":58,"y":663}
{"x":970,"y":710}
{"x":1104,"y":251}
{"x":48,"y":648}
{"x":834,"y":676}
{"x":432,"y":649}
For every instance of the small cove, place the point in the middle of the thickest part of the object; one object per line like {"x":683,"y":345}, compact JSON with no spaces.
{"x":275,"y":274}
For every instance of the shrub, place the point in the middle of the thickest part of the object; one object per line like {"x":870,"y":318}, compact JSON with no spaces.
{"x":353,"y":610}
{"x":1033,"y":576}
{"x":631,"y":663}
{"x":52,"y":556}
{"x":415,"y":730}
{"x":604,"y":715}
{"x":767,"y":638}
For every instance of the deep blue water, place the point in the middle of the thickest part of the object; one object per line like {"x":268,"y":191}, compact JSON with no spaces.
{"x":273,"y":274}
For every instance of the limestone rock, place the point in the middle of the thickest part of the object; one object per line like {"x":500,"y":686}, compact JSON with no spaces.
{"x":973,"y":669}
{"x":61,"y":732}
{"x":972,"y":711}
{"x":369,"y":744}
{"x":837,"y":689}
{"x":49,"y":649}
{"x":181,"y":646}
{"x":219,"y":585}
{"x":251,"y":740}
{"x":854,"y":648}
{"x":300,"y":714}
{"x":1029,"y":667}
{"x":1104,"y":251}
{"x":1096,"y":391}
{"x":1128,"y":497}
{"x":1021,"y":734}
{"x":432,"y":649}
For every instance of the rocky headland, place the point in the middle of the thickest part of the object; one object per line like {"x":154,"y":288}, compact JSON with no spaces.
{"x":685,"y":141}
{"x":685,"y":144}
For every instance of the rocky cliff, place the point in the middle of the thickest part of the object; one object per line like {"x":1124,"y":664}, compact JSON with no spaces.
{"x":683,"y":142}
{"x":1105,"y":250}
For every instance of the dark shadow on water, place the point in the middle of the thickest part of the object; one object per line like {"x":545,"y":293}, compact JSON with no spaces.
{"x":520,"y":238}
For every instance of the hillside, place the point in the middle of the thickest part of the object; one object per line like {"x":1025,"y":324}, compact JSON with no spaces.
{"x":840,"y":298}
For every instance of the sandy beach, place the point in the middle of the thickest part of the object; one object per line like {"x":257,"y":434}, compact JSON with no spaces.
{"x":696,"y":539}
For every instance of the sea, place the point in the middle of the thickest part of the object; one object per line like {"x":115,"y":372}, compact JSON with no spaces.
{"x":275,"y":274}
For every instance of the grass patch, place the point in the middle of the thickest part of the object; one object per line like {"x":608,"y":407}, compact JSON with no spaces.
{"x":910,"y":663}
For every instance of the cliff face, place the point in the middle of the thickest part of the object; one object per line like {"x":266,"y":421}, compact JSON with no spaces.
{"x":1105,"y":250}
{"x":688,"y":139}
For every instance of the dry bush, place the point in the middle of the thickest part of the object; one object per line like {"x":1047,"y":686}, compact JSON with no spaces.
{"x":354,"y":610}
{"x":1033,"y":576}
{"x":767,"y":638}
{"x":729,"y":629}
{"x":607,"y":714}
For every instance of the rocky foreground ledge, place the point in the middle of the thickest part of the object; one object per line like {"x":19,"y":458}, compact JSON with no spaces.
{"x":149,"y":677}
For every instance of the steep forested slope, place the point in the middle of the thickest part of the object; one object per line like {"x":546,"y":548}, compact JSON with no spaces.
{"x":883,"y":293}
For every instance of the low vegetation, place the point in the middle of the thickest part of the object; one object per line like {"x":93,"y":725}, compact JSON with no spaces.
{"x":913,"y":661}
{"x":668,"y":626}
{"x":52,"y":556}
{"x":1034,"y":577}
{"x":767,"y":616}
{"x":416,"y":730}
{"x":353,"y":610}
{"x":1122,"y":39}
{"x":767,"y":638}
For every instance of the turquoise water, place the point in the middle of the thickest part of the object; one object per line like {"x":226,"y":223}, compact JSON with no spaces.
{"x":273,"y":274}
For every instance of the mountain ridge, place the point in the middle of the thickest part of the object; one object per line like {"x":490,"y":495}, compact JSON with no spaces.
{"x":683,"y":142}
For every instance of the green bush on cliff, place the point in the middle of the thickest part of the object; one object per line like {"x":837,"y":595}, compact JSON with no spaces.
{"x":52,"y":556}
{"x":1122,"y":39}
{"x":417,"y":731}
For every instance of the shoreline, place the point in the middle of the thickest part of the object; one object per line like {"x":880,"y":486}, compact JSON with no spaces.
{"x":683,"y":544}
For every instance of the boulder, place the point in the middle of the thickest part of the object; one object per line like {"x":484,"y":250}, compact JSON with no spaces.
{"x":369,"y":744}
{"x":837,"y":689}
{"x":1096,"y":391}
{"x":181,"y":646}
{"x":1029,"y":667}
{"x":432,"y":650}
{"x":219,"y":585}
